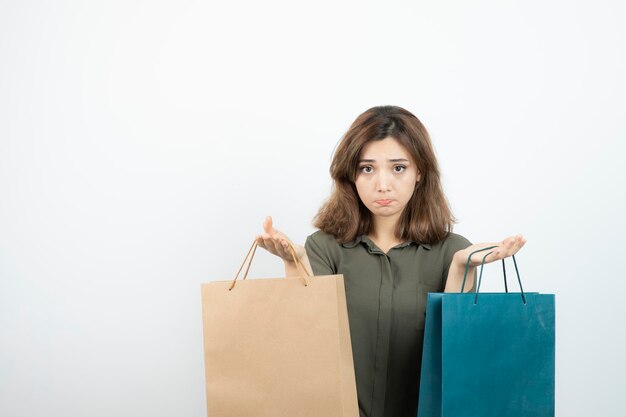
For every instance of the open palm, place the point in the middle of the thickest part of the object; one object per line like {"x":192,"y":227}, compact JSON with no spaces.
{"x":277,"y":243}
{"x":507,"y":247}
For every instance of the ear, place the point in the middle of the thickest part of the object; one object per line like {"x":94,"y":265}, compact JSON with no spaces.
{"x":419,"y":176}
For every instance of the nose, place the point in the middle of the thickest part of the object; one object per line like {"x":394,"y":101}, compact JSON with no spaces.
{"x":382,"y":182}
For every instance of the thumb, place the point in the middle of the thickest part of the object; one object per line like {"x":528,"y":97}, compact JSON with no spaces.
{"x":267,"y":225}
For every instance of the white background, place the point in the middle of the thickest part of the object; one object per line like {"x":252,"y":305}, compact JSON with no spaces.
{"x":142,"y":143}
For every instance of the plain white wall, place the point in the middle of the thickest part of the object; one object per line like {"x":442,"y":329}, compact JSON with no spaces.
{"x":142,"y":143}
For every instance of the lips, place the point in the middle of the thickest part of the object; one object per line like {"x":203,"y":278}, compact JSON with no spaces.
{"x":383,"y":202}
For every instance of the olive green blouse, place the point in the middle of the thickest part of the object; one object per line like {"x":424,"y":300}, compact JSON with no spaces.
{"x":386,"y":298}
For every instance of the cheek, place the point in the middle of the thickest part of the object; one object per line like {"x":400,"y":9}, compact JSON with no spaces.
{"x":408,"y":188}
{"x":359,"y":188}
{"x":361,"y":184}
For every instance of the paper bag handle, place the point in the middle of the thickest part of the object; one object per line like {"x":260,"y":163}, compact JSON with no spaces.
{"x":253,"y":250}
{"x":482,"y":264}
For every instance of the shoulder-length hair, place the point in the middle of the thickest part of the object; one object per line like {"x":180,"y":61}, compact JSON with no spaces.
{"x":427,"y":217}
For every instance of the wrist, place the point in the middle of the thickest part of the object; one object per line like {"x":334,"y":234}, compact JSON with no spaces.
{"x":298,"y":251}
{"x":290,"y":261}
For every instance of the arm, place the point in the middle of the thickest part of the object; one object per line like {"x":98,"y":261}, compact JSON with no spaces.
{"x":314,"y":256}
{"x":291,"y":270}
{"x":455,"y":275}
{"x":507,"y":247}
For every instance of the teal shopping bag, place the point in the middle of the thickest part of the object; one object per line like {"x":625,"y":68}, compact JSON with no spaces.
{"x":488,"y":354}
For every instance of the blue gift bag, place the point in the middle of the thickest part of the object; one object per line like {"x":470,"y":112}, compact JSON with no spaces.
{"x":488,"y":354}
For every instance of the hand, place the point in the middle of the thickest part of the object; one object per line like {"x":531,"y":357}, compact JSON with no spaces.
{"x":277,"y":243}
{"x":509,"y":246}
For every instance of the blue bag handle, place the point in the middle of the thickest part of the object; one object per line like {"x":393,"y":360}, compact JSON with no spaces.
{"x":482,"y":264}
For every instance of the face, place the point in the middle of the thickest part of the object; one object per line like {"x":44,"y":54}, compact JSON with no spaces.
{"x":386,"y":171}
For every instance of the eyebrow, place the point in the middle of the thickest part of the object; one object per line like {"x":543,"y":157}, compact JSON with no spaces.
{"x":390,"y":160}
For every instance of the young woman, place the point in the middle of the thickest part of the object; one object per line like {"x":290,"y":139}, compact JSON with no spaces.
{"x":387,"y":227}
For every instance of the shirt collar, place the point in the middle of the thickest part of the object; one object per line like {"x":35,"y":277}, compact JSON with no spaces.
{"x":363,"y":238}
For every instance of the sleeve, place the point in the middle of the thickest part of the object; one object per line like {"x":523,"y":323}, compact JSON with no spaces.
{"x":457,"y":243}
{"x":319,"y":258}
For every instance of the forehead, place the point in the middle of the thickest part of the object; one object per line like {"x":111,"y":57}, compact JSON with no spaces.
{"x":383,"y":150}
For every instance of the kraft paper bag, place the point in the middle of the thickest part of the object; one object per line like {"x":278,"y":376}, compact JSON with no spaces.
{"x":488,"y":354}
{"x":278,"y":347}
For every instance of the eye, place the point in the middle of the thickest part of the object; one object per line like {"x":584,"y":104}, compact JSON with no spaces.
{"x":361,"y":168}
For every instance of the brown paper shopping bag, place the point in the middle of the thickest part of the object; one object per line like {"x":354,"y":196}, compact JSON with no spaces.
{"x":276,"y":347}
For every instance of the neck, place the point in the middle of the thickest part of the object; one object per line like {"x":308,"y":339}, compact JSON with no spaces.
{"x":383,"y":228}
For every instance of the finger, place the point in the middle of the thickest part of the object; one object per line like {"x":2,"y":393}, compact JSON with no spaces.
{"x":259,"y":241}
{"x":511,"y":246}
{"x":509,"y":241}
{"x":269,"y":244}
{"x":268,"y":225}
{"x":287,"y":250}
{"x":277,"y":246}
{"x":515,"y":243}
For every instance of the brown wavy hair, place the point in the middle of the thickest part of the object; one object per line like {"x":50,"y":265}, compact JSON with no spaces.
{"x":427,"y":217}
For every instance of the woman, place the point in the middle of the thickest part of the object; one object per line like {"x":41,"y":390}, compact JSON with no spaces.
{"x":387,"y":227}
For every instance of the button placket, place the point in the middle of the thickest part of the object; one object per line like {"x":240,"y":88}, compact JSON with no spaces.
{"x":383,"y":337}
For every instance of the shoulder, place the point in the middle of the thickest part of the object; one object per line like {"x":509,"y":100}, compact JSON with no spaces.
{"x":323,"y":252}
{"x":452,"y":243}
{"x":321,"y":238}
{"x":457,"y":239}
